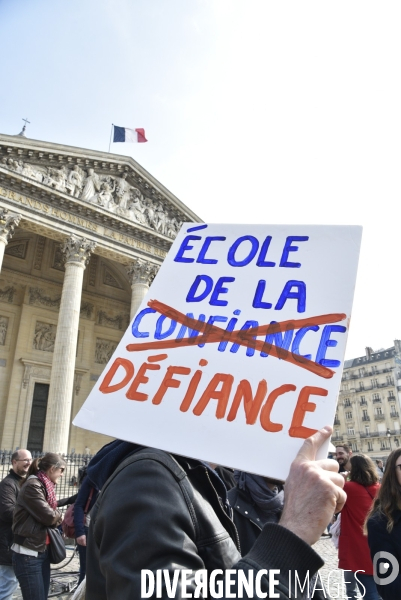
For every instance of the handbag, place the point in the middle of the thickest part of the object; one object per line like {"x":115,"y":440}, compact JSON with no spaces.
{"x":57,"y":551}
{"x":67,"y":525}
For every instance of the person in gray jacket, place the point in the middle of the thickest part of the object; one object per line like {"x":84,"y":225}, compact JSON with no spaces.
{"x":158,"y":514}
{"x":9,"y":489}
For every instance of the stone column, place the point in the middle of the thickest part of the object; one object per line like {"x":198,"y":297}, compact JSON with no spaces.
{"x":141,"y":274}
{"x":7,"y":225}
{"x":77,"y":252}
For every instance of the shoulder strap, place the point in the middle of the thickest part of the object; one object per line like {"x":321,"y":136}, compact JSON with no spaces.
{"x":88,"y":501}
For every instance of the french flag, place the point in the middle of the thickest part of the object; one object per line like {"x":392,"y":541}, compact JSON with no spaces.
{"x":123,"y":134}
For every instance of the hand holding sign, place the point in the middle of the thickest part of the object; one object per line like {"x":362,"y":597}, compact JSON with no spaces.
{"x":313,"y":491}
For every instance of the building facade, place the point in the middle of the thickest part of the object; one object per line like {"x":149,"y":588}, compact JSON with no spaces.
{"x":82,"y":235}
{"x":368,"y":409}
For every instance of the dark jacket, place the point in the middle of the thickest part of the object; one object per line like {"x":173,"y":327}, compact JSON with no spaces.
{"x":159,"y":511}
{"x":380,"y":540}
{"x":227,"y":475}
{"x":33,"y":515}
{"x":249,"y":527}
{"x":9,"y":488}
{"x":67,"y":501}
{"x":246,"y":519}
{"x":80,"y":504}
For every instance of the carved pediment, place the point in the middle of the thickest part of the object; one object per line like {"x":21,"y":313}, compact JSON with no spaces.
{"x":107,"y":185}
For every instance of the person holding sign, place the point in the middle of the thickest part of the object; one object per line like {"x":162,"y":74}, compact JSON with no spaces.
{"x":241,"y":356}
{"x":161,"y":528}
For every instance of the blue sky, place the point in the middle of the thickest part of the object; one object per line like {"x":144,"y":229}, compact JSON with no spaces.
{"x":256,"y":111}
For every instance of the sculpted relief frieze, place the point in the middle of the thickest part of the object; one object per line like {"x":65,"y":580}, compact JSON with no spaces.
{"x":38,"y":298}
{"x":119,"y":321}
{"x":112,"y":193}
{"x":7,"y":294}
{"x":3,"y":330}
{"x":104,"y":350}
{"x":86,"y":309}
{"x":44,"y":337}
{"x":17,"y":250}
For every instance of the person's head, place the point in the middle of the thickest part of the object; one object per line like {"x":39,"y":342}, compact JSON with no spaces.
{"x":51,"y":464}
{"x":21,"y":461}
{"x":343,"y":454}
{"x":388,"y":499}
{"x":124,"y":175}
{"x":363,"y":470}
{"x":379,"y":463}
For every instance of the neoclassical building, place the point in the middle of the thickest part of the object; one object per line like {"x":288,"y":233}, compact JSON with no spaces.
{"x":82,"y":234}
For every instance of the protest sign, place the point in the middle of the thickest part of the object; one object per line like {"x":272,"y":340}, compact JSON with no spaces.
{"x":235,"y":355}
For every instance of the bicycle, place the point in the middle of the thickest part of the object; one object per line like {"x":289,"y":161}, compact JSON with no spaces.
{"x":63,"y":582}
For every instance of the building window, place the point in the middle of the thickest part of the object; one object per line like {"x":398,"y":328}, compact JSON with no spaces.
{"x":396,"y":442}
{"x":373,"y":382}
{"x":345,"y":386}
{"x":348,"y":415}
{"x":361,"y":385}
{"x":389,"y":380}
{"x":365,"y":413}
{"x":361,"y":372}
{"x":383,"y":445}
{"x":370,"y":446}
{"x":374,"y":369}
{"x":376,"y":397}
{"x":347,"y":402}
{"x":367,"y":429}
{"x":351,"y":431}
{"x":378,"y":410}
{"x":354,"y":447}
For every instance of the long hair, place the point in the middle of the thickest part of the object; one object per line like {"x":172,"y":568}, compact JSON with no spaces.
{"x":363,"y":470}
{"x":45,"y":463}
{"x":388,"y":500}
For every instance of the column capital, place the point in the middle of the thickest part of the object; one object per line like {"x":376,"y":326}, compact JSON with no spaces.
{"x":142,"y":271}
{"x":8,"y":222}
{"x":77,"y":250}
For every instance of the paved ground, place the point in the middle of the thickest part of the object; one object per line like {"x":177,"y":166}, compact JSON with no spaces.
{"x":330,"y":574}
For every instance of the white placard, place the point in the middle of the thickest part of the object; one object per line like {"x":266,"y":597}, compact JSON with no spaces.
{"x":242,"y":392}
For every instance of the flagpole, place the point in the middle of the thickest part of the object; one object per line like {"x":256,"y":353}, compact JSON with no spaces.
{"x":111,"y":133}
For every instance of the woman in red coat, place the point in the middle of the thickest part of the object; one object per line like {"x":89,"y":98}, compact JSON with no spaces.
{"x":353,"y":549}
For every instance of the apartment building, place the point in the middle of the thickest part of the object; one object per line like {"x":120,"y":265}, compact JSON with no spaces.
{"x":368,"y":408}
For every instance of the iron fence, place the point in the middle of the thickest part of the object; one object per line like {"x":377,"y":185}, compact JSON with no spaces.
{"x":67,"y":485}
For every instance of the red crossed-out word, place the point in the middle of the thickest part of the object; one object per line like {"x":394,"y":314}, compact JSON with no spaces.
{"x":210,"y":334}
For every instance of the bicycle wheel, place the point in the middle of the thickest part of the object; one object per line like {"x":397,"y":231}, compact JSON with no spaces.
{"x":63,"y":583}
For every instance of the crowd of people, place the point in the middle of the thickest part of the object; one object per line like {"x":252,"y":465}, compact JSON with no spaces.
{"x":158,"y":511}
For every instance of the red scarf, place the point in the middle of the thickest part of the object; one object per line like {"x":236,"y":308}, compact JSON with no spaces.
{"x":50,"y":486}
